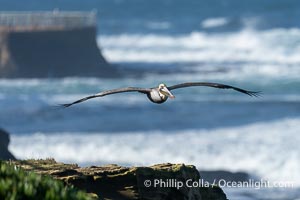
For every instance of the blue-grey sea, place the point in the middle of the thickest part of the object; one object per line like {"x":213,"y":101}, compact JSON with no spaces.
{"x":250,"y":44}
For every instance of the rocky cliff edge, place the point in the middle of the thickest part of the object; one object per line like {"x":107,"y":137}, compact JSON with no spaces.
{"x":162,"y":181}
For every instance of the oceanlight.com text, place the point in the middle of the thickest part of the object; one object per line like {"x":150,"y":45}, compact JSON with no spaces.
{"x":256,"y":184}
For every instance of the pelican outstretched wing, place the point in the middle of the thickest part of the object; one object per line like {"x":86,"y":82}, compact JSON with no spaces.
{"x":108,"y":92}
{"x":215,"y":85}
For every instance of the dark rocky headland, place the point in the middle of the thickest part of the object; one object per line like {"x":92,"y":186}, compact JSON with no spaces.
{"x":5,"y":154}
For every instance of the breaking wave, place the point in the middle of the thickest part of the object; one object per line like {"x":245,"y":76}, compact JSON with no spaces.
{"x":265,"y":149}
{"x":275,"y":50}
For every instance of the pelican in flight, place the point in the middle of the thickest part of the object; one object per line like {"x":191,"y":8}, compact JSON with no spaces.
{"x":161,"y":93}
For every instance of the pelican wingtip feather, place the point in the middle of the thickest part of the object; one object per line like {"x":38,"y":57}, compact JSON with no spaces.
{"x":65,"y":105}
{"x":254,"y":94}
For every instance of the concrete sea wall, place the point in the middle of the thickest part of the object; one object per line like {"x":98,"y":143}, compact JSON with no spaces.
{"x":37,"y":51}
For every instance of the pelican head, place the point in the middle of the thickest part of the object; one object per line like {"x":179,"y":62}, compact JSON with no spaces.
{"x":164,"y":91}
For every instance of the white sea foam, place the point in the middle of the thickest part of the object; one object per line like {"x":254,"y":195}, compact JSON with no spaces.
{"x":214,"y":22}
{"x":267,"y":149}
{"x":19,"y":82}
{"x":158,"y":25}
{"x":270,"y":47}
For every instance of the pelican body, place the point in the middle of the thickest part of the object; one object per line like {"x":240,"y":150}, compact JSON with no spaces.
{"x":161,"y":93}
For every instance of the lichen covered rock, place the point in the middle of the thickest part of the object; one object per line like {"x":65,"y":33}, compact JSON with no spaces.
{"x":163,"y":181}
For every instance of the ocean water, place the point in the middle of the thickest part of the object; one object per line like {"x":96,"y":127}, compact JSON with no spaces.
{"x":250,"y":44}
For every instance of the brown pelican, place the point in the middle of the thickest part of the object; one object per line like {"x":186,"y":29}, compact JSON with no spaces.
{"x":161,"y":93}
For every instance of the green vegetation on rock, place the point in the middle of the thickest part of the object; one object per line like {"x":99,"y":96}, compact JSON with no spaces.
{"x":15,"y":183}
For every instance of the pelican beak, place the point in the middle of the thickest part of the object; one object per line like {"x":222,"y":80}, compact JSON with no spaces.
{"x":168,"y":93}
